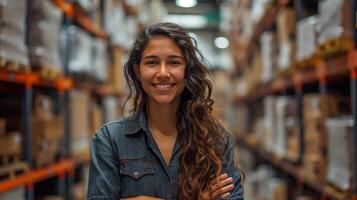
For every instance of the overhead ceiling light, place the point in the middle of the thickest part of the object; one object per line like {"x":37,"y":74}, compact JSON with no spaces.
{"x":221,"y":42}
{"x":188,"y":21}
{"x":186,"y":3}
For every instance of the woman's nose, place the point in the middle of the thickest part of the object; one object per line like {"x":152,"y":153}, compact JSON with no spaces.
{"x":163,"y":71}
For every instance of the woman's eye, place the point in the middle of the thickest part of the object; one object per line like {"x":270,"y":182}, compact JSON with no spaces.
{"x":175,"y":62}
{"x":150,"y":62}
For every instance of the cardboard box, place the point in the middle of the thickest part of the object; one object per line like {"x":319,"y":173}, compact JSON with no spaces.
{"x":79,"y":191}
{"x":315,"y":168}
{"x":11,"y":144}
{"x":286,"y":24}
{"x":2,"y":126}
{"x":81,"y":136}
{"x":48,"y":129}
{"x":320,"y":106}
{"x":96,"y":117}
{"x":44,"y":151}
{"x":43,"y":107}
{"x":116,"y":77}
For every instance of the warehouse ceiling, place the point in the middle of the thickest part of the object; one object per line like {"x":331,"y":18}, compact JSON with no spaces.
{"x":209,"y":9}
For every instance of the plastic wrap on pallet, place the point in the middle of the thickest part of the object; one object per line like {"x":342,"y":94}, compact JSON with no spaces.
{"x":46,"y":19}
{"x":269,"y":139}
{"x":111,"y":108}
{"x":100,"y":60}
{"x":335,"y":20}
{"x":306,"y":38}
{"x":340,"y":151}
{"x":122,"y":29}
{"x":267,"y":52}
{"x":12,"y":31}
{"x":285,"y":56}
{"x":80,"y":54}
{"x":17,"y":193}
{"x":280,"y":148}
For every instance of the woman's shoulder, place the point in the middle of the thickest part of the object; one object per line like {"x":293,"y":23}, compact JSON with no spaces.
{"x":119,"y":127}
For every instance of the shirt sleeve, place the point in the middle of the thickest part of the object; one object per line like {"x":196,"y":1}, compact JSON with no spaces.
{"x":104,"y":181}
{"x":229,"y":167}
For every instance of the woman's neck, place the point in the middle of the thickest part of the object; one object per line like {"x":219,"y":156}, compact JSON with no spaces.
{"x":163,"y":117}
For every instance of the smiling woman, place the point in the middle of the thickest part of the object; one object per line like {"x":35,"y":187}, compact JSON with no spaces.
{"x":171,"y":147}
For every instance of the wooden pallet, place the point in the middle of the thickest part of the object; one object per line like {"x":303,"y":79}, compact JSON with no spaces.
{"x":307,"y":64}
{"x":13,"y":66}
{"x":285,"y":73}
{"x":341,"y":194}
{"x":48,"y":73}
{"x":11,"y":166}
{"x":334,"y":46}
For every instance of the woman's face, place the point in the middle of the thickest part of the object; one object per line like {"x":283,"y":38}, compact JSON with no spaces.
{"x":161,"y":71}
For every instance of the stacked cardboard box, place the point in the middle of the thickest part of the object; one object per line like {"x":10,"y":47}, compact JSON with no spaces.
{"x":79,"y":191}
{"x":96,"y":116}
{"x":317,"y":108}
{"x":116,"y":75}
{"x":47,"y":131}
{"x":12,"y":31}
{"x":306,"y":38}
{"x":335,"y":20}
{"x":10,"y":146}
{"x":80,"y":138}
{"x":340,"y":152}
{"x":45,"y":22}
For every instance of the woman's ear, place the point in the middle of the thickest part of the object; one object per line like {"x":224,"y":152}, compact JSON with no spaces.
{"x":137,"y":72}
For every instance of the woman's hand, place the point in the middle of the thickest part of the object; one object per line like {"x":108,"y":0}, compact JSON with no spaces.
{"x":142,"y":198}
{"x":220,"y":188}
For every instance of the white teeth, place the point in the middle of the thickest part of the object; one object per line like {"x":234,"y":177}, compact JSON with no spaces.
{"x":163,"y":86}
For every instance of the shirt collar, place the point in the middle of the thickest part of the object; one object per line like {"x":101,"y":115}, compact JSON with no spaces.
{"x":136,"y":123}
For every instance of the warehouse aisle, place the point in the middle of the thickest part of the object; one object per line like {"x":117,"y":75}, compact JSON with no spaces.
{"x":285,"y":85}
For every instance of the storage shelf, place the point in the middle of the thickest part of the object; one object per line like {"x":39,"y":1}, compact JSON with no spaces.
{"x":30,"y":79}
{"x":73,"y":12}
{"x":326,"y":71}
{"x":60,"y":168}
{"x":33,"y":176}
{"x":293,"y":170}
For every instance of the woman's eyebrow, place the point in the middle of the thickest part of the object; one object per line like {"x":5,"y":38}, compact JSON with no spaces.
{"x":176,"y":56}
{"x":150,"y":56}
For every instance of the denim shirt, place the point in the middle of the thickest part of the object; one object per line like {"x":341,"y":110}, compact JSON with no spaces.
{"x":126,"y":162}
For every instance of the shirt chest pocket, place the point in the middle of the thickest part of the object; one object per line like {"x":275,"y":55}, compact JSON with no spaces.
{"x":137,"y":177}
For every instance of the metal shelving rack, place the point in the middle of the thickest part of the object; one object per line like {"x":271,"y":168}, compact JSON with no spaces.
{"x":322,"y":73}
{"x":64,"y":169}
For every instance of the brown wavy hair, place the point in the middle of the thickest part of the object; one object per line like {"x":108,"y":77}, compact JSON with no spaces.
{"x":199,"y":132}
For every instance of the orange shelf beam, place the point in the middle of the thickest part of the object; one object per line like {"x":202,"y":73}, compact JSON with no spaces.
{"x":66,"y":8}
{"x":32,"y":79}
{"x":33,"y":176}
{"x":80,"y":17}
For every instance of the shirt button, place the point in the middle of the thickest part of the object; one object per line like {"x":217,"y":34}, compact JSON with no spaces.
{"x":136,"y":173}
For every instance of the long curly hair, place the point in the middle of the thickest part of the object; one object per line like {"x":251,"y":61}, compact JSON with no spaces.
{"x":199,"y":132}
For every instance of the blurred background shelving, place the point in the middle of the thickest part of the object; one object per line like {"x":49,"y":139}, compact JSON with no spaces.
{"x":285,"y":84}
